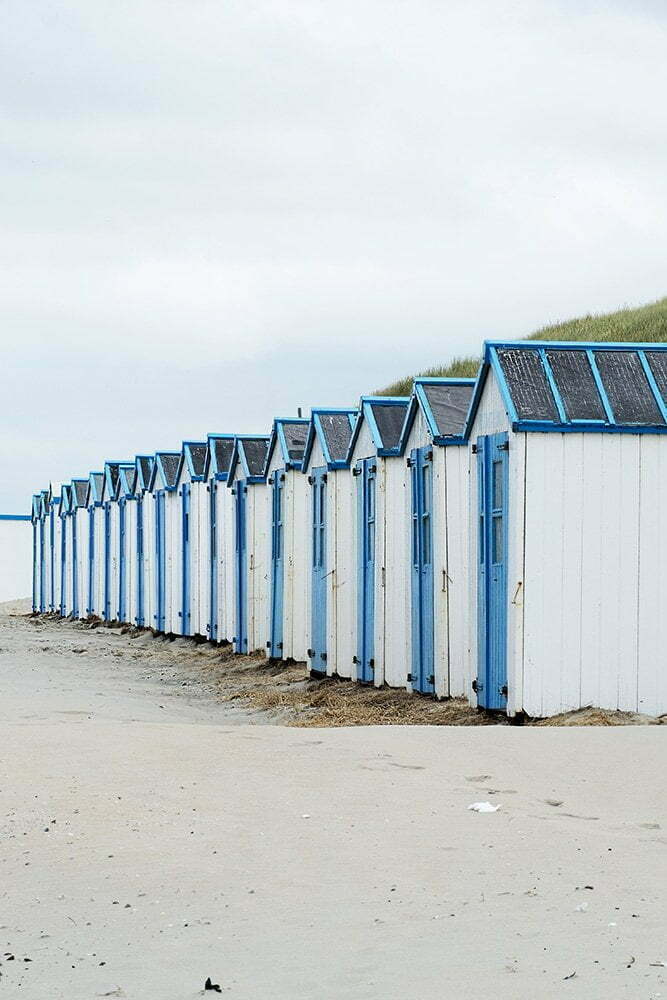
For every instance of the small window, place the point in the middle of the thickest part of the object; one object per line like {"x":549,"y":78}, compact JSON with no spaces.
{"x":497,"y":485}
{"x":426,"y":540}
{"x":481,"y":540}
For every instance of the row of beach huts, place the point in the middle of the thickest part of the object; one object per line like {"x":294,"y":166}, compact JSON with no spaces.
{"x":498,"y":539}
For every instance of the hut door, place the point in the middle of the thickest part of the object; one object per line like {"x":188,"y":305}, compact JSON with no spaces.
{"x":52,"y":544}
{"x":160,"y":561}
{"x":91,"y":560}
{"x":493,"y":482}
{"x":366,"y":471}
{"x":186,"y":613}
{"x":74,"y":569}
{"x":42,"y":567}
{"x":107,"y":561}
{"x":140,"y":560}
{"x":63,"y":566}
{"x":241,"y":639}
{"x":213,"y":548}
{"x":277,"y":564}
{"x":122,"y":561}
{"x":421,"y":465}
{"x":318,"y":652}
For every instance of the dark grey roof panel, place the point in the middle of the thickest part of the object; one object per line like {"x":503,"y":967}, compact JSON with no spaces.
{"x":576,"y":384}
{"x":449,"y":405}
{"x":146,"y":463}
{"x":389,"y":418}
{"x":113,"y":469}
{"x":255,"y":450}
{"x":198,"y":456}
{"x":337,"y":433}
{"x":627,"y":388}
{"x":98,"y":479}
{"x":80,"y":491}
{"x":528,"y":385}
{"x":224,"y":448}
{"x":295,"y":436}
{"x":658,"y":364}
{"x":170,"y":464}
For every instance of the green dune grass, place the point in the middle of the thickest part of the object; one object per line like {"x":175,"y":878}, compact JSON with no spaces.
{"x":646,"y":324}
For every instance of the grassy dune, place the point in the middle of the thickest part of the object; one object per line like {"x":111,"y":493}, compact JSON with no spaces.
{"x":646,"y":324}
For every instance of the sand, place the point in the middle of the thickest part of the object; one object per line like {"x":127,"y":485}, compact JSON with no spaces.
{"x":153,"y":836}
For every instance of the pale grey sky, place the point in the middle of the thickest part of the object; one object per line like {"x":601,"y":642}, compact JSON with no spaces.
{"x":216,"y":211}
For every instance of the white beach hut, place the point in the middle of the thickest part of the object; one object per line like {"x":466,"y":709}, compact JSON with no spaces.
{"x":381,"y":543}
{"x":65,"y":514}
{"x":193,"y":551}
{"x":166,"y":530}
{"x":43,"y":542}
{"x":95,"y":576}
{"x":79,"y":547}
{"x":36,"y":520}
{"x":56,"y":505}
{"x":433,"y":446}
{"x":568,"y":447}
{"x":50,"y":550}
{"x":329,"y":543}
{"x":141,"y":610}
{"x":288,"y":523}
{"x":247,"y":482}
{"x":111,"y":538}
{"x":220,"y":549}
{"x":127,"y":542}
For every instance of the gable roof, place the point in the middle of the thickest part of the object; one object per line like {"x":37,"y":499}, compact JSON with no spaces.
{"x":220,"y":448}
{"x":144,"y":468}
{"x":165,"y":470}
{"x":385,"y":416}
{"x":251,"y":451}
{"x":111,"y":473}
{"x":333,"y":429}
{"x":575,"y":386}
{"x":127,"y":475}
{"x":445,"y":403}
{"x":290,"y":434}
{"x":65,"y":498}
{"x":79,"y":488}
{"x":94,"y":491}
{"x":36,"y":501}
{"x":193,"y":460}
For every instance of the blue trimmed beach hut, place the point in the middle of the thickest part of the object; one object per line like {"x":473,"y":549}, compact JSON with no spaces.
{"x":192,"y":555}
{"x":166,"y":525}
{"x":219,"y":550}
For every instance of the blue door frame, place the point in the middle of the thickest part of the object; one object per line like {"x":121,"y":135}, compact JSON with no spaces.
{"x":160,"y":562}
{"x":52,"y":559}
{"x":140,"y":562}
{"x":63,"y":566}
{"x":277,"y":564}
{"x":493,"y":489}
{"x":35,"y":567}
{"x":186,"y":596}
{"x":74,"y":567}
{"x":42,"y":566}
{"x":213,"y":553}
{"x":366,"y":472}
{"x":107,"y":561}
{"x":240,"y":490}
{"x":318,"y":651}
{"x":423,"y":626}
{"x":122,"y":560}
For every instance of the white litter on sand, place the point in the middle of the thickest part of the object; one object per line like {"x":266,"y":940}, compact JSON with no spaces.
{"x":484,"y":807}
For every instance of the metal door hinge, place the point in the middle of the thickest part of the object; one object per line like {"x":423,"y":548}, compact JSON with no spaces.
{"x":431,"y":678}
{"x":310,"y":653}
{"x":409,"y":678}
{"x":503,"y":690}
{"x":371,"y":663}
{"x":354,"y":659}
{"x":409,"y":463}
{"x":268,"y":645}
{"x":356,"y":472}
{"x":474,"y":449}
{"x":323,"y":656}
{"x":476,"y":686}
{"x":311,"y":480}
{"x":280,"y":645}
{"x":270,"y":480}
{"x":324,"y":478}
{"x":429,"y":456}
{"x":505,"y":446}
{"x":282,"y":477}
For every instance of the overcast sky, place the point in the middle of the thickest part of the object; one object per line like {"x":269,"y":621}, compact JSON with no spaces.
{"x":216,"y":211}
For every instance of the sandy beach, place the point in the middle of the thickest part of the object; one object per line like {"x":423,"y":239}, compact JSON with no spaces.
{"x":154,"y":835}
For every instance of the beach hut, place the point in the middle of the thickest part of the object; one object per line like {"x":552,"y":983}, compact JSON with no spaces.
{"x":166,"y":525}
{"x":56,"y":503}
{"x":127,"y":542}
{"x":220,"y":550}
{"x":52,"y":530}
{"x":95,"y":576}
{"x":35,"y":518}
{"x":79,"y":546}
{"x":111,"y":538}
{"x":141,"y":612}
{"x":568,"y":445}
{"x":433,"y":447}
{"x":65,"y":569}
{"x":381,"y":543}
{"x":288,"y":514}
{"x":43,"y":551}
{"x":193,"y":555}
{"x":247,"y":482}
{"x":329,"y":542}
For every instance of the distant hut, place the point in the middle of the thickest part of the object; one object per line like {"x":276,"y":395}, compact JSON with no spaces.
{"x":95,"y":588}
{"x":127,"y":541}
{"x":247,"y":482}
{"x":193,"y":496}
{"x":331,"y":643}
{"x":111,"y":538}
{"x":381,"y":543}
{"x":219,"y":551}
{"x":79,"y":547}
{"x":141,"y":612}
{"x":166,"y":523}
{"x":288,"y":512}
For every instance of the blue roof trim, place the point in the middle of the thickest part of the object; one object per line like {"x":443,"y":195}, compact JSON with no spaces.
{"x":238,"y":455}
{"x":187,"y":463}
{"x":278,"y":437}
{"x":211,"y":469}
{"x":315,"y":430}
{"x":419,"y":401}
{"x":92,"y":489}
{"x":141,"y":485}
{"x":158,"y":470}
{"x":366,"y":404}
{"x":125,"y":489}
{"x":565,"y":425}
